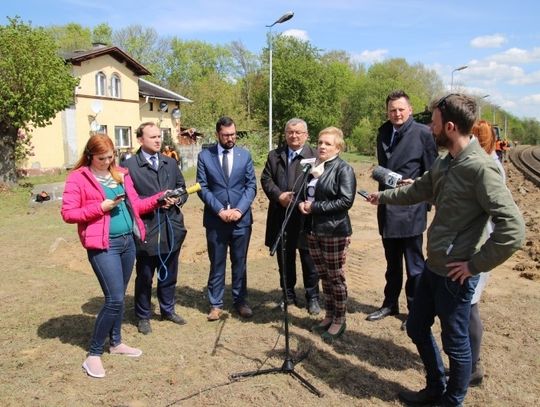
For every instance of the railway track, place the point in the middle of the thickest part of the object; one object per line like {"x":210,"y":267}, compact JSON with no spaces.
{"x":527,"y":160}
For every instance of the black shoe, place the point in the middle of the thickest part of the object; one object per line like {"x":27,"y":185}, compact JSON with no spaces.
{"x":404,"y":325}
{"x":144,"y":327}
{"x":382,"y":313}
{"x":330,"y":338}
{"x":419,"y":398}
{"x":313,"y":306}
{"x":174,"y":317}
{"x":477,"y":376}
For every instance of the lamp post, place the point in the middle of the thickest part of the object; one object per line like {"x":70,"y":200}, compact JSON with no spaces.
{"x":480,"y":106}
{"x":285,"y":17}
{"x":461,"y":68}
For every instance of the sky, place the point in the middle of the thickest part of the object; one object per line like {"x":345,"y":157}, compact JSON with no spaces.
{"x":498,"y":41}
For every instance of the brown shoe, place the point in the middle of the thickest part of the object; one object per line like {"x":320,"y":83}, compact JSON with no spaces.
{"x":215,"y":314}
{"x":244,"y":311}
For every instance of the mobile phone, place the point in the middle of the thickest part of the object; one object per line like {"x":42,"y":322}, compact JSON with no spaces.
{"x":365,"y":194}
{"x":119,"y":196}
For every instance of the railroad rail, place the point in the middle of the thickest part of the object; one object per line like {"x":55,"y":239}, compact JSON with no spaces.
{"x":527,"y":160}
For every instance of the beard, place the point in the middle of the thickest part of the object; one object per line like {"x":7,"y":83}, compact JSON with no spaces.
{"x":442,"y":139}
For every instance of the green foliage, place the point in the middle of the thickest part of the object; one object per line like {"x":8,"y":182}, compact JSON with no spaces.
{"x":371,"y":89}
{"x":307,"y":85}
{"x":71,"y":37}
{"x":257,"y":144}
{"x":102,"y":34}
{"x":363,"y":137}
{"x":35,"y":84}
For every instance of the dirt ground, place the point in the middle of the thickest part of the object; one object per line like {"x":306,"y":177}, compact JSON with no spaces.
{"x":49,"y":298}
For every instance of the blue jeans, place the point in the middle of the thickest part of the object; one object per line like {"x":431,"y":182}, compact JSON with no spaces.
{"x":451,"y":302}
{"x":113,"y":269}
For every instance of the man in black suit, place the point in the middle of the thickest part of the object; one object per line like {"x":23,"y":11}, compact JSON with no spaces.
{"x":407,"y":148}
{"x":281,"y":180}
{"x":152,"y":172}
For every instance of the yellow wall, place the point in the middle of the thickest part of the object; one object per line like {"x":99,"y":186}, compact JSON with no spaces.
{"x":61,"y":143}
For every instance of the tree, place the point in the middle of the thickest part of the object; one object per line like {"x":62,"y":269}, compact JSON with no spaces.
{"x":35,"y":84}
{"x":102,"y":34}
{"x":370,"y":90}
{"x":246,"y":69}
{"x":306,"y":85}
{"x":71,"y":37}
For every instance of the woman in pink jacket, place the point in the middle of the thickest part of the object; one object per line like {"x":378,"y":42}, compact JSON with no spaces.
{"x":100,"y":198}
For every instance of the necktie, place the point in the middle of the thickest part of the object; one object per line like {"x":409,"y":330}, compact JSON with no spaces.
{"x":393,"y":140}
{"x":153,"y":160}
{"x":225,"y":164}
{"x":291,"y":169}
{"x":292,"y":156}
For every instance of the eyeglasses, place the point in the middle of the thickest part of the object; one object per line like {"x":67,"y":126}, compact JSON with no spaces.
{"x":442,"y":104}
{"x":225,"y":135}
{"x":295,"y":132}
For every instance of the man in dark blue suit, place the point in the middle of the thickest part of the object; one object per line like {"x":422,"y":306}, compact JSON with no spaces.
{"x":228,"y":187}
{"x":407,"y":148}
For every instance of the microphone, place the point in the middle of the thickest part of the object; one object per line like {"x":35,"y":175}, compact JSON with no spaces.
{"x":307,"y":163}
{"x":386,"y":177}
{"x":175,"y":193}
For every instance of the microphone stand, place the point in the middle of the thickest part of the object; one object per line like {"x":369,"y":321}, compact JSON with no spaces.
{"x":288,"y":363}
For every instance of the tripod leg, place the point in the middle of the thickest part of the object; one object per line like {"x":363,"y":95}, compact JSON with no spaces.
{"x":307,"y":384}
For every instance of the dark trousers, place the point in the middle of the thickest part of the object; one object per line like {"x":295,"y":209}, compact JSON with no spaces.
{"x":309,"y":273}
{"x":451,"y":302}
{"x":237,"y":242}
{"x":395,"y":250}
{"x":167,"y":266}
{"x":476,"y":330}
{"x":113,"y":269}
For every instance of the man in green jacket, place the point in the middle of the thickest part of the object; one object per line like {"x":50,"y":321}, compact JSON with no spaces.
{"x":465,"y":187}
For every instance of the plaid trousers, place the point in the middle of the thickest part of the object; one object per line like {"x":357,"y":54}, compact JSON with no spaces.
{"x":329,"y":254}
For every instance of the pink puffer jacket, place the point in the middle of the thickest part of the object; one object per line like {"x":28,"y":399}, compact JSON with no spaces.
{"x":81,"y":204}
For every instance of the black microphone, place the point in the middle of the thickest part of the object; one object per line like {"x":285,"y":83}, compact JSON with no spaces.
{"x":175,"y":193}
{"x":386,"y":177}
{"x":307,"y":163}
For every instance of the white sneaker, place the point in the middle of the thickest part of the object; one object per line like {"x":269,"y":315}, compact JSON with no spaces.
{"x":125,"y":350}
{"x":93,"y":367}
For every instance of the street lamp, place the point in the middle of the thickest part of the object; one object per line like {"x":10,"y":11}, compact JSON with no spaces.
{"x":461,"y":68}
{"x":285,"y":17}
{"x":480,"y":106}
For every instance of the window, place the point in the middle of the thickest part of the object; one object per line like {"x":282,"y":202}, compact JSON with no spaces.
{"x":116,"y":86}
{"x":122,"y":136}
{"x":101,"y":84}
{"x":102,"y":129}
{"x":165,"y":134}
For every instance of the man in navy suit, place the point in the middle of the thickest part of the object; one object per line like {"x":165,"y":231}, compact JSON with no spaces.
{"x":407,"y":148}
{"x":228,"y":187}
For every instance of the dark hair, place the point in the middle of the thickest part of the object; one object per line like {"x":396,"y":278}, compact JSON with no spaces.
{"x":224,"y":121}
{"x":140,"y":129}
{"x":459,"y":109}
{"x":395,"y":95}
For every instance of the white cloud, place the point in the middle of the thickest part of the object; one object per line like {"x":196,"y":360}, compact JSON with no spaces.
{"x":517,"y":56}
{"x":488,"y":41}
{"x":531,"y":99}
{"x":369,"y":57}
{"x":298,"y":34}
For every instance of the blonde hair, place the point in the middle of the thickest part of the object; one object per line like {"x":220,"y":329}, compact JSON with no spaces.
{"x":485,"y":134}
{"x":338,"y":136}
{"x":99,"y":144}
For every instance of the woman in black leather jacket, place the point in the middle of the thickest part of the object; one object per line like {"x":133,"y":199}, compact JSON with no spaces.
{"x":330,"y":194}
